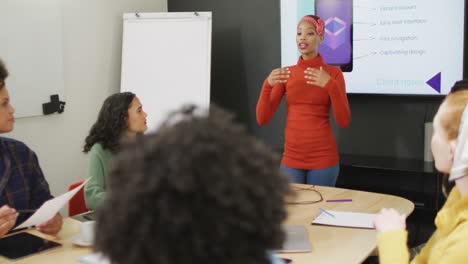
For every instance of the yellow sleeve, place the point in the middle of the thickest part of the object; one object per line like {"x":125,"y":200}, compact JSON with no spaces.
{"x":423,"y":256}
{"x":455,"y":248}
{"x":393,"y":247}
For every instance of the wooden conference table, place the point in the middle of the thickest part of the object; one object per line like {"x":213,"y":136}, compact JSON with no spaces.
{"x":338,"y":244}
{"x":329,"y":244}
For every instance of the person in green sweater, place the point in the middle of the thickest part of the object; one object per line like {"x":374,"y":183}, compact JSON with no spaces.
{"x":121,"y":115}
{"x":449,"y":145}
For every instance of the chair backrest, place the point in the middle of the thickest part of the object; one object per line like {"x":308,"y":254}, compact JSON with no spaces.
{"x":77,"y":204}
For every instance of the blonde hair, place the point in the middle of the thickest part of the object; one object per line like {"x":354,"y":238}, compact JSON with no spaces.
{"x":454,"y":104}
{"x":450,"y":119}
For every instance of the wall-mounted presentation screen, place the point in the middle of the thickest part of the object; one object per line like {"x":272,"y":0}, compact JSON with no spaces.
{"x":384,"y":46}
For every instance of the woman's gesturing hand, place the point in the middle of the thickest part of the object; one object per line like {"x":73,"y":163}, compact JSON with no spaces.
{"x":317,"y":77}
{"x":279,"y":75}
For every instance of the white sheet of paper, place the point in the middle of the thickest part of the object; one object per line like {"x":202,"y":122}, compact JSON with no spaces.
{"x":50,"y":208}
{"x":346,"y":219}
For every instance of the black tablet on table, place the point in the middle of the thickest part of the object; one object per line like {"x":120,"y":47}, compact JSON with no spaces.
{"x":21,"y":245}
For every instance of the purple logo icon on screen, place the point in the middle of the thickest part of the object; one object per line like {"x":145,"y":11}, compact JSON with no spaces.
{"x":334,"y":28}
{"x":337,"y":45}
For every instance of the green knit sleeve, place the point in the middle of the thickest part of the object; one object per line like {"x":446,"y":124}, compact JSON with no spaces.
{"x":95,"y":188}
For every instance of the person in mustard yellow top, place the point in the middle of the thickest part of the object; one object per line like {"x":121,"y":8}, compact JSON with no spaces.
{"x":449,"y":243}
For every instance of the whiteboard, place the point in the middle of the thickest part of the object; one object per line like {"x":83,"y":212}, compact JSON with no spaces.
{"x":166,"y":61}
{"x":31,"y":47}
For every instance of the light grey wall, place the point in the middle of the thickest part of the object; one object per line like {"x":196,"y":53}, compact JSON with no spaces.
{"x":92,"y":41}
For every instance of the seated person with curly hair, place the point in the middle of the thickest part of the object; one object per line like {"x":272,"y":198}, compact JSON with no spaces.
{"x":22,"y":183}
{"x":199,"y":190}
{"x":121,"y":114}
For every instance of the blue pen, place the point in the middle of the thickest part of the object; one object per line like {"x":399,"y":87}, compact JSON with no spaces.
{"x":326,"y":212}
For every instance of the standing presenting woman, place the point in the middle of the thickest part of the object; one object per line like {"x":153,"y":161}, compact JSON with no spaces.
{"x":121,"y":114}
{"x":311,"y":87}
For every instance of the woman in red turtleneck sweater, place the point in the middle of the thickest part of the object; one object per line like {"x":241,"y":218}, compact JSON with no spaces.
{"x":311,"y":88}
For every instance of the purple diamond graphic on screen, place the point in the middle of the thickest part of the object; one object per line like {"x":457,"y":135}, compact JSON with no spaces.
{"x":333,"y":29}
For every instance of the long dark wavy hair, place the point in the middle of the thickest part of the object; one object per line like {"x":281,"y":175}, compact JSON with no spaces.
{"x":199,"y":190}
{"x":111,"y":122}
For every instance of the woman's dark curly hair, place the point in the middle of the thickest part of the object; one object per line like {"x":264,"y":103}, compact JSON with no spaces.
{"x":111,"y":122}
{"x":199,"y":190}
{"x":3,"y":74}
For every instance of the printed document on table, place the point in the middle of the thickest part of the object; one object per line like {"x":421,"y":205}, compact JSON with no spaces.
{"x":345,"y":219}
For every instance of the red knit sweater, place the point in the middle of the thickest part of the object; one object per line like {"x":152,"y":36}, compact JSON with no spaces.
{"x":309,"y":141}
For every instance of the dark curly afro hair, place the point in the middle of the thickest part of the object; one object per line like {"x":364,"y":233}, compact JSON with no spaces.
{"x":3,"y":74}
{"x":199,"y":190}
{"x":111,"y":122}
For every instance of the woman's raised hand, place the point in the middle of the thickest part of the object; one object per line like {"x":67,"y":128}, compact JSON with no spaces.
{"x":317,"y":77}
{"x":279,"y":75}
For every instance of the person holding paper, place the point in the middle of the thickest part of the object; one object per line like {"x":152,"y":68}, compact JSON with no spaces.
{"x":449,"y":242}
{"x":22,"y":183}
{"x":311,"y":88}
{"x":121,"y":115}
{"x":199,"y":190}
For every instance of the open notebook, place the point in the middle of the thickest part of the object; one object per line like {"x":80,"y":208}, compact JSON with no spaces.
{"x":297,"y":239}
{"x":345,"y":219}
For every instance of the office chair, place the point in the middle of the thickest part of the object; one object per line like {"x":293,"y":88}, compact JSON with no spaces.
{"x":77,"y":204}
